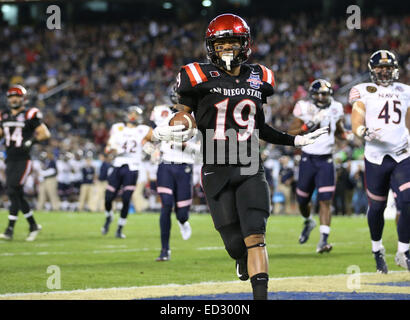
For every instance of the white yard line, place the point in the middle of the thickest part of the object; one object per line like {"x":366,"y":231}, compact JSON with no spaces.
{"x":112,"y":249}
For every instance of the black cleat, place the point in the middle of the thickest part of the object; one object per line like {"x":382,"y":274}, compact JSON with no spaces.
{"x":165,"y":255}
{"x":7,"y":235}
{"x":106,"y":227}
{"x":242,"y":268}
{"x":120,"y":235}
{"x":310,"y":224}
{"x":381,"y":265}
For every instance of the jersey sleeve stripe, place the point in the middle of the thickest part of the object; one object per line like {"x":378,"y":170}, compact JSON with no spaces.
{"x":195,"y":74}
{"x":201,"y":74}
{"x":354,"y":95}
{"x":31,"y":113}
{"x":190,"y":75}
{"x":267,"y":75}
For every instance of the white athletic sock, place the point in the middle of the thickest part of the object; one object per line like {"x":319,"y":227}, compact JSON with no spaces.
{"x":376,"y":245}
{"x":109,"y":214}
{"x":324,"y":229}
{"x":121,"y":222}
{"x":403,"y":247}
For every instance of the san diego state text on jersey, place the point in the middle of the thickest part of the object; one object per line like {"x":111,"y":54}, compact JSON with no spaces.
{"x":226,"y":108}
{"x":17,"y":129}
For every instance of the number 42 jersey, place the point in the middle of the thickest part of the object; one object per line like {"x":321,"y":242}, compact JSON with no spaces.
{"x":17,"y":129}
{"x":386,"y":109}
{"x":228,"y":109}
{"x":127,"y":142}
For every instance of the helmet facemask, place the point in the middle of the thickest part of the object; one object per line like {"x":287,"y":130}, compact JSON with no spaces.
{"x":383,"y":67}
{"x":320,"y":92}
{"x":385,"y":76}
{"x":134,"y":115}
{"x":15,"y":101}
{"x":232,"y":58}
{"x":16,"y":97}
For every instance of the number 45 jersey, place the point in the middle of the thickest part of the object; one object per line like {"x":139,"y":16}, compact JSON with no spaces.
{"x":228,"y":109}
{"x":386,"y":109}
{"x":17,"y":129}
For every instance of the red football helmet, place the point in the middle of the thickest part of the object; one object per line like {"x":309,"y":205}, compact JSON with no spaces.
{"x":19,"y":91}
{"x":228,"y":26}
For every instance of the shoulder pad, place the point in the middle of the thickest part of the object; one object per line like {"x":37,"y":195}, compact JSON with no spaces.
{"x":33,"y":113}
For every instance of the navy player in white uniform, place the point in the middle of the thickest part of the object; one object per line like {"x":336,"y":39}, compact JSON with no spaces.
{"x":381,"y":117}
{"x":174,"y":181}
{"x":316,"y":165}
{"x":127,"y":140}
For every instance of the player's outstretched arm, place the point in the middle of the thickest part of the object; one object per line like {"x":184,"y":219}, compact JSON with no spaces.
{"x":310,"y":138}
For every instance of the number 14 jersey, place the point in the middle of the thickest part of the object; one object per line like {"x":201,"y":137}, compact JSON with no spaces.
{"x":228,"y":109}
{"x":17,"y":129}
{"x":386,"y":109}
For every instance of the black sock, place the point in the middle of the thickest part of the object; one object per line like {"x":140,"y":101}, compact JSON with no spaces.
{"x":31,"y":221}
{"x":260,"y":286}
{"x":11,"y":224}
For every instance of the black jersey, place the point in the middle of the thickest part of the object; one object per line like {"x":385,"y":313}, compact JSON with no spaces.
{"x":17,"y":129}
{"x":227,"y":108}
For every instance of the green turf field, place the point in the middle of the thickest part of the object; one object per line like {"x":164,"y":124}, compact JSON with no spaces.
{"x":73,"y":242}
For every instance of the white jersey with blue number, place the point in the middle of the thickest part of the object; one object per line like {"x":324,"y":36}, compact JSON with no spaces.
{"x":127,"y":142}
{"x":386,"y":109}
{"x":169,"y":152}
{"x":306,"y":110}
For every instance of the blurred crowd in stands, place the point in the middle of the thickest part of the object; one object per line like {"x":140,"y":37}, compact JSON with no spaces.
{"x":81,"y":77}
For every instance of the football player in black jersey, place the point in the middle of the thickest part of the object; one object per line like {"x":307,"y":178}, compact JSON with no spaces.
{"x":226,"y":96}
{"x":20,"y":127}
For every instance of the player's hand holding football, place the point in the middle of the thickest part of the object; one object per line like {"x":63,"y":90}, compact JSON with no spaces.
{"x":310,"y":138}
{"x":168,"y":133}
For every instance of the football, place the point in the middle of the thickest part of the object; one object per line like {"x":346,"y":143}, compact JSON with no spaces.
{"x":184,"y":118}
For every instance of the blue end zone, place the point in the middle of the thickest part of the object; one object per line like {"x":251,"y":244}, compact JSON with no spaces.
{"x":283,"y":295}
